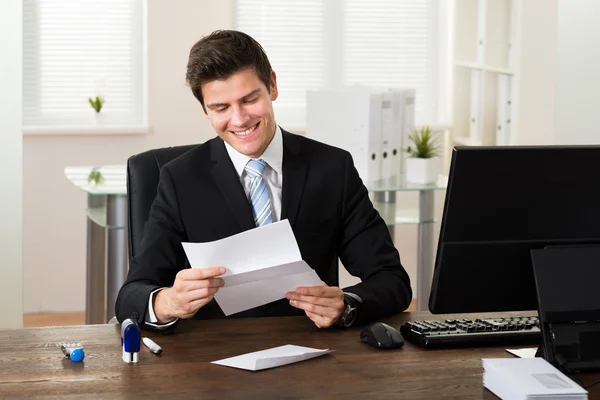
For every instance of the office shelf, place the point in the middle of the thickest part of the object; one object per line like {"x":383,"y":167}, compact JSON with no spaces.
{"x":487,"y":68}
{"x":485,"y":71}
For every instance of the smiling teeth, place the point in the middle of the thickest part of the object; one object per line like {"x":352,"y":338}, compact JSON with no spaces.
{"x":246,"y":132}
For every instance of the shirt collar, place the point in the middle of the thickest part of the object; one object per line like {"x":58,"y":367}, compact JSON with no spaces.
{"x":273,"y":154}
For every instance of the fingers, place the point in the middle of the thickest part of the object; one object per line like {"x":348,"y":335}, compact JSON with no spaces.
{"x":320,"y":291}
{"x":322,"y":304}
{"x":328,"y":296}
{"x":190,"y":308}
{"x":326,"y":312}
{"x":192,"y":279}
{"x":192,"y":289}
{"x":171,"y":303}
{"x":194,"y":274}
{"x":320,"y":301}
{"x":204,"y":283}
{"x":319,"y":320}
{"x":198,"y":294}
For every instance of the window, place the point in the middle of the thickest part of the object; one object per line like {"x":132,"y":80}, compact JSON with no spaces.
{"x":77,"y":49}
{"x":334,"y":43}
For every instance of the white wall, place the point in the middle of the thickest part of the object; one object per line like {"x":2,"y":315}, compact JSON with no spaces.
{"x":54,"y":224}
{"x":11,"y":179}
{"x":578,"y":72}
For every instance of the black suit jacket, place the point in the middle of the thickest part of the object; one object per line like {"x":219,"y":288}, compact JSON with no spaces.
{"x":200,"y":199}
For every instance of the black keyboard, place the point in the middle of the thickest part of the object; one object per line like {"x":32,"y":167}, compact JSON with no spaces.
{"x":479,"y":332}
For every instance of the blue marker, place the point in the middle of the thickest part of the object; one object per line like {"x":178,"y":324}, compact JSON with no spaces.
{"x":131,"y":339}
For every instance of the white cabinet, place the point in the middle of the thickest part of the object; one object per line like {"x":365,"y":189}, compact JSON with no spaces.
{"x":504,"y":70}
{"x":484,"y":71}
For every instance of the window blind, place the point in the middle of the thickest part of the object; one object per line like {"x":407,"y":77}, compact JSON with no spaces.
{"x":77,"y":49}
{"x":333,"y":43}
{"x":291,"y":32}
{"x":386,"y":44}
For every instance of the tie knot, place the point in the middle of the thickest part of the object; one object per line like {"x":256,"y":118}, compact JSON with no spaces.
{"x":255,"y":168}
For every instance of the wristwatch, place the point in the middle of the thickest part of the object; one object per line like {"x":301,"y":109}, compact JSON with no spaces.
{"x":350,"y":312}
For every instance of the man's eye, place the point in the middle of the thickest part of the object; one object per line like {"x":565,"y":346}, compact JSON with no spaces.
{"x":220,"y":110}
{"x":252,"y":100}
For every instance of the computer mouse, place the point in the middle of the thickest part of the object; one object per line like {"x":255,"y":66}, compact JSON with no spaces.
{"x":382,"y":336}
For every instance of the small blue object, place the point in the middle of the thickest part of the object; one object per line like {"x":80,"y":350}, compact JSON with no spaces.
{"x":77,"y":355}
{"x":74,"y":351}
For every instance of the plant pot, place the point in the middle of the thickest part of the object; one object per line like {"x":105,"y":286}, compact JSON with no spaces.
{"x":99,"y":118}
{"x":422,"y":170}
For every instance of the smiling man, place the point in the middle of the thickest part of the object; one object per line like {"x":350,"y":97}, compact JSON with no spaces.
{"x":255,"y":173}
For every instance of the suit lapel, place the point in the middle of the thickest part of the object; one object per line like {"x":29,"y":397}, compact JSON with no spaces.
{"x":227,"y":180}
{"x":294,"y":177}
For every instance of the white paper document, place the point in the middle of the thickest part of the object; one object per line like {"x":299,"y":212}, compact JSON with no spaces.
{"x":262,"y":264}
{"x":528,"y":378}
{"x":523,"y":353}
{"x":271,"y":358}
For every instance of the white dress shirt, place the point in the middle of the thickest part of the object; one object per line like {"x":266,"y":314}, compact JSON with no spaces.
{"x":273,"y":176}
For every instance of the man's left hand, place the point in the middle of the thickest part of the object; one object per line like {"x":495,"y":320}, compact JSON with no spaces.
{"x":324,"y":305}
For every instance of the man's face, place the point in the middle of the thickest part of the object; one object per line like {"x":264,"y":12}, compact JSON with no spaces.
{"x":240,"y":109}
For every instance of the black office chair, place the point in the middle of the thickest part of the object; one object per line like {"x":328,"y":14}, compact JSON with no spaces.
{"x":142,"y":183}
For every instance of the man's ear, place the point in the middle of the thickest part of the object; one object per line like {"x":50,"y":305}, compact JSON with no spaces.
{"x":273,"y":89}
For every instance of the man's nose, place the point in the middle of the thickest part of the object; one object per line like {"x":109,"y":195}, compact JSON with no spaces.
{"x":239,"y":116}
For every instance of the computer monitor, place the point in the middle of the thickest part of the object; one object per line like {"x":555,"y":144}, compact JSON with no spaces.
{"x":501,"y":203}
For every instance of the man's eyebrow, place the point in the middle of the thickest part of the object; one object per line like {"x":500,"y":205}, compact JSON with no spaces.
{"x":217,"y":105}
{"x":252,"y":93}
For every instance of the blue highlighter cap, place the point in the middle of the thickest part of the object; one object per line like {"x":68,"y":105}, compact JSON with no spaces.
{"x":77,"y":355}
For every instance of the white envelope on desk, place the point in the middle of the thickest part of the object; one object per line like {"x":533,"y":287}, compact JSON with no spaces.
{"x":271,"y":358}
{"x":263,"y":264}
{"x":528,"y":378}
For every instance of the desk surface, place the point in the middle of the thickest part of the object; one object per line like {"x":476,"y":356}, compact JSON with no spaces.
{"x":31,"y":364}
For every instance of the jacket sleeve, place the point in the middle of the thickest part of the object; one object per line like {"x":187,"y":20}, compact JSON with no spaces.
{"x":368,"y":252}
{"x":161,"y":254}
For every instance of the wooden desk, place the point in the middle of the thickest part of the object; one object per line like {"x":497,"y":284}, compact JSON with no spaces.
{"x":31,"y":364}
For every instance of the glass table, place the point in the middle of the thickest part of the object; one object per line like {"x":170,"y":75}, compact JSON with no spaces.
{"x":107,"y":258}
{"x":383,"y":194}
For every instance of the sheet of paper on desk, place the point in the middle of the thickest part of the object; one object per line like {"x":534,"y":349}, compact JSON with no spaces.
{"x":263,"y":264}
{"x":271,"y":358}
{"x":523,"y":353}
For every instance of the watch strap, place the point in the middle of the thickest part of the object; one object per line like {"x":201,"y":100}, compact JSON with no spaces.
{"x":350,"y":311}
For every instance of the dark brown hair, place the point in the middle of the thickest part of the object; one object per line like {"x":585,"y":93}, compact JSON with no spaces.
{"x":220,"y":55}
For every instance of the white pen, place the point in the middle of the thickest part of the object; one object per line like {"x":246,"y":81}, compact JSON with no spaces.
{"x":156,"y":349}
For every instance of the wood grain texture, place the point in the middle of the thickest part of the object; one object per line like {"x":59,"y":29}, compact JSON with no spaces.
{"x":31,"y":364}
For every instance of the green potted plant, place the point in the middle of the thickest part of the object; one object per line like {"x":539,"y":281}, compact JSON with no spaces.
{"x":95,"y":177}
{"x":423,"y":163}
{"x":97,"y":102}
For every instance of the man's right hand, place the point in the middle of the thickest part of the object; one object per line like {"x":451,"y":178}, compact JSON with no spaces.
{"x":193,"y":288}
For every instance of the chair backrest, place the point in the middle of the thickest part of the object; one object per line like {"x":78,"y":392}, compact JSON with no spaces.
{"x":142,"y":182}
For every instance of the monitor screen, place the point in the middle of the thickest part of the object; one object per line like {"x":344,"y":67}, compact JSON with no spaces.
{"x":501,"y":203}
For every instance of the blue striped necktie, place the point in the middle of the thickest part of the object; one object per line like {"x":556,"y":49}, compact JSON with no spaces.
{"x":259,"y":193}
